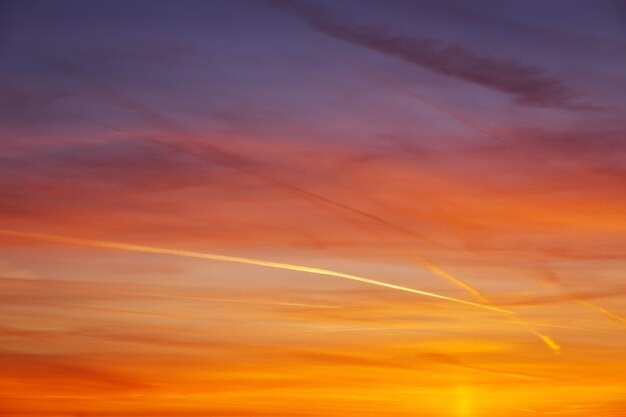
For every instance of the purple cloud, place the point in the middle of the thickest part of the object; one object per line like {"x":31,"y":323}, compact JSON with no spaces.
{"x":530,"y":86}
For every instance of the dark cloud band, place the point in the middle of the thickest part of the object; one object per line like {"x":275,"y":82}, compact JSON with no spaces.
{"x":530,"y":86}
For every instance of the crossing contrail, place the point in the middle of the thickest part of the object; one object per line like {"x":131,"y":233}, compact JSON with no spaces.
{"x":484,"y":300}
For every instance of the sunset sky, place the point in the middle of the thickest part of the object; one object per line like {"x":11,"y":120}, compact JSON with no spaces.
{"x":312,"y":208}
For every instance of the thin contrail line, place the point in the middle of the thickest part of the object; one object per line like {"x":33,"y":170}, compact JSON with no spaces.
{"x":239,"y":163}
{"x":239,"y":260}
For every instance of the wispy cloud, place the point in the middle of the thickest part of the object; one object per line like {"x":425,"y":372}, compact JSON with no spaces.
{"x":528,"y":85}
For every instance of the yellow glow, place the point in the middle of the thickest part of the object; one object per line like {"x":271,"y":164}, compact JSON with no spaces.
{"x":463,"y":401}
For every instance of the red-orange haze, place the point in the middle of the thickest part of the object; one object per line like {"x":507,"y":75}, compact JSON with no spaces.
{"x":312,"y":209}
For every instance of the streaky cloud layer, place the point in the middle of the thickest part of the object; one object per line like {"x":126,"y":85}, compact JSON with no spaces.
{"x":453,"y":159}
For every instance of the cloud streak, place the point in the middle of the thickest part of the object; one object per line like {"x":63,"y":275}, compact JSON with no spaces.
{"x":528,"y":85}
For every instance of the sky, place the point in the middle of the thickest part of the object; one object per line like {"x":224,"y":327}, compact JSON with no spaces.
{"x":301,"y":208}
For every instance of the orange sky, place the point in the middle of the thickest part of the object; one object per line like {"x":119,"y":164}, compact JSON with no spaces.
{"x":133,"y":333}
{"x":318,"y":220}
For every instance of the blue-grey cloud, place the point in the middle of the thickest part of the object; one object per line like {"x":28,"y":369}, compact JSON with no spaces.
{"x":529,"y":85}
